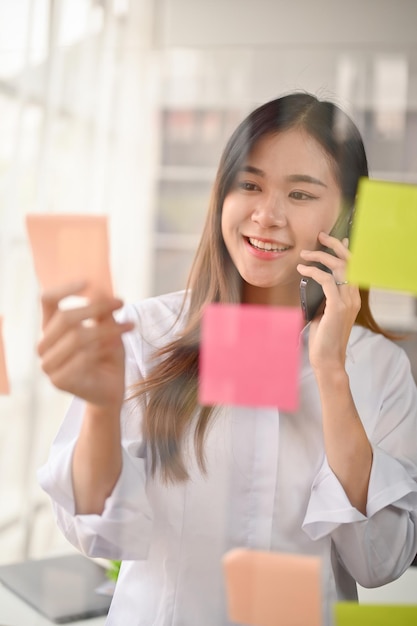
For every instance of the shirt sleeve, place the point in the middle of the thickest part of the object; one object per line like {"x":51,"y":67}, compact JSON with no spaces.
{"x":377,"y":547}
{"x":123,"y":530}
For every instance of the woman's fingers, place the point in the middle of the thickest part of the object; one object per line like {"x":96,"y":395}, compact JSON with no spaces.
{"x":329,"y":260}
{"x":336,"y":262}
{"x":337,"y":291}
{"x":62,"y":321}
{"x":81,"y":350}
{"x":333,"y":242}
{"x":50,"y":299}
{"x":95,"y":339}
{"x":79,"y":376}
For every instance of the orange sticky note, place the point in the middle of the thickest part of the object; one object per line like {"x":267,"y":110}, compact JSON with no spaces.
{"x":249,"y":356}
{"x":4,"y":380}
{"x":267,"y":588}
{"x":70,"y":248}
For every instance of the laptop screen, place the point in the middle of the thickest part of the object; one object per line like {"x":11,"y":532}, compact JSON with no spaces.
{"x":63,"y":588}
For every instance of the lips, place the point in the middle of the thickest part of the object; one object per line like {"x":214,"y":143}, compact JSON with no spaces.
{"x":267,"y":246}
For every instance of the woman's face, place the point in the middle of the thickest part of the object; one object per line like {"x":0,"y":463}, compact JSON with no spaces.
{"x":283,"y":196}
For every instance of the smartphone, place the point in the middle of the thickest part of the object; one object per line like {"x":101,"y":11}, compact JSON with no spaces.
{"x":311,"y":293}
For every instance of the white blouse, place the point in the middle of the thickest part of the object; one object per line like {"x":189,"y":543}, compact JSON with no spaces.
{"x":268,"y":487}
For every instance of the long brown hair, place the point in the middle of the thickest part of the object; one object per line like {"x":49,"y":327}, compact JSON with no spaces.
{"x":171,"y":387}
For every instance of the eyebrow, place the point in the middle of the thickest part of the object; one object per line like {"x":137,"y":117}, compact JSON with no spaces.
{"x":252,"y":170}
{"x":293,"y":178}
{"x":305,"y":178}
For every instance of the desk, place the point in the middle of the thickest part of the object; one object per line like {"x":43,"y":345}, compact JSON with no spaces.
{"x":15,"y":612}
{"x":400,"y":591}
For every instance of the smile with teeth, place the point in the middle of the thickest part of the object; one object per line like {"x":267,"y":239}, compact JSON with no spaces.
{"x":267,"y":245}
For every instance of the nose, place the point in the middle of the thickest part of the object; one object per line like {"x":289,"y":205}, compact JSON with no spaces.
{"x":269,"y":213}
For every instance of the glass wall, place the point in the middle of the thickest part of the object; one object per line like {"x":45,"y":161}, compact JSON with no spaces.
{"x":98,"y":116}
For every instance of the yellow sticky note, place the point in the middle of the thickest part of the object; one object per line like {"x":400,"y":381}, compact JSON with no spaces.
{"x":384,"y":236}
{"x":4,"y":380}
{"x":70,"y":248}
{"x":349,"y":613}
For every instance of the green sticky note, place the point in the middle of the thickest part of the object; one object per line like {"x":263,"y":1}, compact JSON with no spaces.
{"x":384,"y":236}
{"x":353,"y":614}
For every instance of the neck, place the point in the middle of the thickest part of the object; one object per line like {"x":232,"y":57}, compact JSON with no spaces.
{"x":271,"y":296}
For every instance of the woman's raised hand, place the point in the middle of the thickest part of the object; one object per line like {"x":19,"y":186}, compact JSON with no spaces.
{"x":81,"y":349}
{"x":329,"y":333}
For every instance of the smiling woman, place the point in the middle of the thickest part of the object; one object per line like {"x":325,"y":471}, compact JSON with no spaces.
{"x":283,"y":196}
{"x":140,"y":472}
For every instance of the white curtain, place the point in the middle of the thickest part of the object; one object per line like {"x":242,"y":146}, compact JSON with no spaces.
{"x":77,"y":135}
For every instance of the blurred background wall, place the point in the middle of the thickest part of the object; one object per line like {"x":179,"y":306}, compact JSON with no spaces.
{"x":122,"y":107}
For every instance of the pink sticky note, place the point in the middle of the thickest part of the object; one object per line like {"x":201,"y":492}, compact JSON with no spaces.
{"x":267,"y":588}
{"x":69,"y":248}
{"x":249,"y":355}
{"x":4,"y":380}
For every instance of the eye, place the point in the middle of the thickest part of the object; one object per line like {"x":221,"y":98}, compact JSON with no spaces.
{"x":247,"y":186}
{"x":302,"y":195}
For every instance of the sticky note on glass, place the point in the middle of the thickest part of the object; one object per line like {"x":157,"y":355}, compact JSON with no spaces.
{"x":384,"y":236}
{"x":249,"y":356}
{"x":70,"y":248}
{"x":4,"y":379}
{"x":348,"y":613}
{"x":267,"y":588}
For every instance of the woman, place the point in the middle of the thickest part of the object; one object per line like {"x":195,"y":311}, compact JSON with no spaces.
{"x":168,"y":486}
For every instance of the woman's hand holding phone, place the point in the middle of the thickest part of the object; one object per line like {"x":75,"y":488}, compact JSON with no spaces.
{"x":330,"y":330}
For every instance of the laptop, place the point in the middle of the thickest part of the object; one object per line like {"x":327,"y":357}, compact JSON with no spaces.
{"x":63,"y":588}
